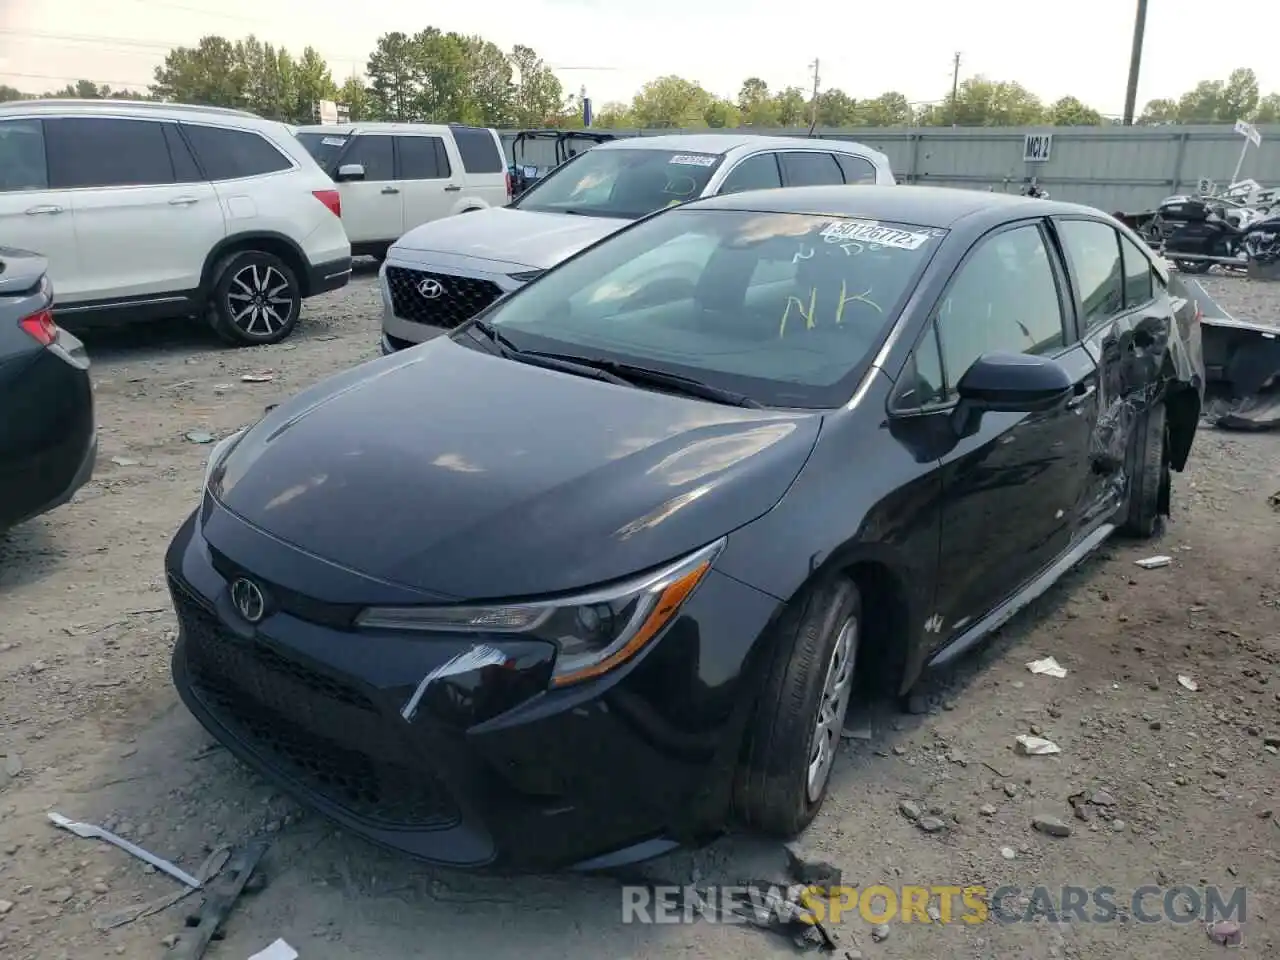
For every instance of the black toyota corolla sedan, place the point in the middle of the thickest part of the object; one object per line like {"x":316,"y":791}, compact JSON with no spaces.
{"x":48,"y":443}
{"x":595,"y":574}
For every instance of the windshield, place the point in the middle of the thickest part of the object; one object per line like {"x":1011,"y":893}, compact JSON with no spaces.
{"x":325,"y":148}
{"x":621,"y":183}
{"x":786,"y":309}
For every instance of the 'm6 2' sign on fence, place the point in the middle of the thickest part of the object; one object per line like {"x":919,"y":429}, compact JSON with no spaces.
{"x":1036,"y":147}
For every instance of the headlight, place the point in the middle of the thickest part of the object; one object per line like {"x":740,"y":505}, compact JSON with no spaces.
{"x":220,"y":450}
{"x":594,"y":632}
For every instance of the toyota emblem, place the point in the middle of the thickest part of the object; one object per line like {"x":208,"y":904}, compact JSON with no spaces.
{"x":248,"y":599}
{"x":430,"y":289}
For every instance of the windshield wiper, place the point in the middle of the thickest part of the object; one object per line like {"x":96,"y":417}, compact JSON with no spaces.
{"x":646,"y":376}
{"x":549,"y":361}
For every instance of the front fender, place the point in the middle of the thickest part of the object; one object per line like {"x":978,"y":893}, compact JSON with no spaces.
{"x":467,"y":204}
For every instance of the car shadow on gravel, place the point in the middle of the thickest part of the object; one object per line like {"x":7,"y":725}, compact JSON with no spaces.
{"x":28,"y":553}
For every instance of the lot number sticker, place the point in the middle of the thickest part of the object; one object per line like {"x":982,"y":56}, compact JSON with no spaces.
{"x":694,"y":159}
{"x":871,"y":232}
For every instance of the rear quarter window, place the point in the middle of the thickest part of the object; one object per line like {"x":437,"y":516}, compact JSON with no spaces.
{"x":479,"y":150}
{"x":226,"y":154}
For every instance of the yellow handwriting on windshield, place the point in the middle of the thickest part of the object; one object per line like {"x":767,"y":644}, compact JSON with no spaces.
{"x":809,"y":313}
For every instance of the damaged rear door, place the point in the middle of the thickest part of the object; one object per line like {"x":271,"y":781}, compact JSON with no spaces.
{"x":1127,"y":326}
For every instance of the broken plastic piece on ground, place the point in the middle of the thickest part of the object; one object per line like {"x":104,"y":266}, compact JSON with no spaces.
{"x":1188,"y":683}
{"x":1036,"y":746}
{"x":1048,"y":666}
{"x":1151,"y":563}
{"x":1225,"y":932}
{"x":91,"y":832}
{"x":279,"y":950}
{"x":208,"y":870}
{"x":264,"y":377}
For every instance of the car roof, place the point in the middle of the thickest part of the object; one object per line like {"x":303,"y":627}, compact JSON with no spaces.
{"x":722,"y":143}
{"x":137,"y":110}
{"x":923,"y":206}
{"x":347,"y":129}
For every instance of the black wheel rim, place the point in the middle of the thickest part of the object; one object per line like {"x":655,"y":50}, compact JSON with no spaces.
{"x":260,"y":300}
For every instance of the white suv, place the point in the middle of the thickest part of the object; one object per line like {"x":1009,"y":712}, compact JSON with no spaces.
{"x":152,"y":210}
{"x":442,"y":273}
{"x":396,"y":176}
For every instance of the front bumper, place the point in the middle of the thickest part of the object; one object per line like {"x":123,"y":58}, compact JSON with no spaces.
{"x":491,"y":769}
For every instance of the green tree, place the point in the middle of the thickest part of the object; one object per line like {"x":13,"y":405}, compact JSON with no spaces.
{"x":312,"y":82}
{"x":539,"y":95}
{"x":270,"y":81}
{"x":614,"y":116}
{"x":1159,"y":111}
{"x":837,"y":109}
{"x":756,"y":106}
{"x":792,"y":107}
{"x":1070,"y":112}
{"x":355,"y":98}
{"x":208,"y":73}
{"x":887,"y":110}
{"x":492,"y":83}
{"x":1268,"y":110}
{"x":671,"y":101}
{"x":8,"y":94}
{"x":721,"y":113}
{"x":391,"y":72}
{"x":993,"y":103}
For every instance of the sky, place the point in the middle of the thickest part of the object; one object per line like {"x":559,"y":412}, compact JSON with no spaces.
{"x":612,"y":47}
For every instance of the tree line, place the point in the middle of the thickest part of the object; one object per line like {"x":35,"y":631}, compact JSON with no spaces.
{"x":434,"y":76}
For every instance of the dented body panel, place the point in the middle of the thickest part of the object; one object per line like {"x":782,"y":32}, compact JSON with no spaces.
{"x":1242,"y":366}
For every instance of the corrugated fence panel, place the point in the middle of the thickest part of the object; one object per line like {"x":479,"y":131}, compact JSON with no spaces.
{"x":1115,"y":168}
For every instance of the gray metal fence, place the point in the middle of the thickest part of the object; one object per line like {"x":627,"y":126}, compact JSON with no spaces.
{"x":1115,"y":168}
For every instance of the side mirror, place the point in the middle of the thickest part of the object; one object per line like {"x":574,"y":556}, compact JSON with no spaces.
{"x":350,"y":171}
{"x":1014,"y":383}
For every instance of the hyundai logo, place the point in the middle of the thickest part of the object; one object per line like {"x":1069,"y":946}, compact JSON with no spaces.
{"x":248,"y":600}
{"x":430,"y":289}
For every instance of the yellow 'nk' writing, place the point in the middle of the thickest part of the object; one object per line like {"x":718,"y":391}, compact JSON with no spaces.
{"x":809,"y":313}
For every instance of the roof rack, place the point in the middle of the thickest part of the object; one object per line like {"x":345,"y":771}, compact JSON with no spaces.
{"x":137,"y":104}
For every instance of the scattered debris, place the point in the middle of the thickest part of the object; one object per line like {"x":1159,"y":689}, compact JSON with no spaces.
{"x":931,"y":824}
{"x":809,"y":871}
{"x":1225,"y":932}
{"x":220,"y":897}
{"x":89,"y":831}
{"x":1187,"y":683}
{"x":909,"y":809}
{"x":279,"y":950}
{"x":208,"y":870}
{"x":124,"y":461}
{"x":856,"y":730}
{"x":1274,"y":500}
{"x":1052,"y":826}
{"x":1030,"y":746}
{"x":1049,"y":667}
{"x":880,"y":932}
{"x":1151,"y":563}
{"x":264,"y":377}
{"x":1008,"y":853}
{"x":200,"y":436}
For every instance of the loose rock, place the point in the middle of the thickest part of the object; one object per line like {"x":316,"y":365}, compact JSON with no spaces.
{"x":1053,"y":826}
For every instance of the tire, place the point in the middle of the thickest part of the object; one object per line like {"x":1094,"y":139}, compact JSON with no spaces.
{"x":233,"y":313}
{"x":1193,"y":266}
{"x":816,"y":647}
{"x":1147,"y":465}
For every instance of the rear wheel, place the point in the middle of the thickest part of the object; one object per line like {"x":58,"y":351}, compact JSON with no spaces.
{"x":793,"y":736}
{"x":256,"y":299}
{"x":1193,"y":266}
{"x":1147,"y":467}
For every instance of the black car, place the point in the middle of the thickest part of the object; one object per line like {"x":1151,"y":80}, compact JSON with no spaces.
{"x":47,"y":438}
{"x":590,"y":576}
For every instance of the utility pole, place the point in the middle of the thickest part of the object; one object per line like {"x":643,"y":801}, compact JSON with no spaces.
{"x":813,"y":110}
{"x":1135,"y":62}
{"x":955,"y":86}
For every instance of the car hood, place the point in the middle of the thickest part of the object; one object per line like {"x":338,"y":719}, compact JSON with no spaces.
{"x":510,"y":236}
{"x":463,"y":474}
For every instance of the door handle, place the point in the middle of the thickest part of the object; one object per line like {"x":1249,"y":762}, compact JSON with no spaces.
{"x":1082,"y":394}
{"x":390,"y":189}
{"x":184,"y":201}
{"x":452,"y":188}
{"x":45,"y":209}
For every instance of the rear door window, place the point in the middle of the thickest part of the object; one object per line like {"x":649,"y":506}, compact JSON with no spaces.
{"x":1093,"y":249}
{"x":479,"y":151}
{"x":325,"y":148}
{"x":1138,"y":288}
{"x":375,"y":154}
{"x":421,"y":158}
{"x":856,"y":169}
{"x":106,"y":152}
{"x":810,"y":169}
{"x":185,"y":169}
{"x":22,"y":165}
{"x":227,"y":154}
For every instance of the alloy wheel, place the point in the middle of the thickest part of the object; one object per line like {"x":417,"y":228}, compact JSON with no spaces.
{"x":834,"y":704}
{"x":260,"y":300}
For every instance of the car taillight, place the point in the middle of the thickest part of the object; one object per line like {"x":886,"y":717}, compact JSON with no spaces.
{"x":40,"y":327}
{"x":331,"y":199}
{"x":509,"y":190}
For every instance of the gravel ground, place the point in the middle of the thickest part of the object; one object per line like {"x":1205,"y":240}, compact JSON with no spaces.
{"x":91,"y":727}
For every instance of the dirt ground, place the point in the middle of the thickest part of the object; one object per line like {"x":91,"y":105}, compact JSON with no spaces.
{"x":90,"y":727}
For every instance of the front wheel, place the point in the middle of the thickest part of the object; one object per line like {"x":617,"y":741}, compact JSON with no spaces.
{"x":1193,"y":266}
{"x":1149,"y":477}
{"x":793,"y":736}
{"x":256,"y":299}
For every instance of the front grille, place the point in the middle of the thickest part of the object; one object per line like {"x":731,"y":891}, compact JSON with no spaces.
{"x":317,"y":730}
{"x":459,"y":299}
